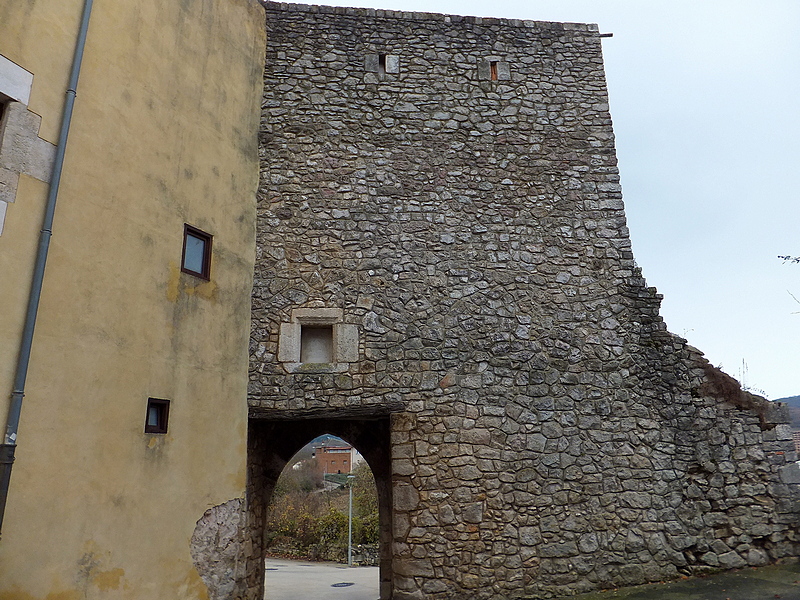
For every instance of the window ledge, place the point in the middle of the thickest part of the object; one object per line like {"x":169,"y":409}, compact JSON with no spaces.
{"x":298,"y":367}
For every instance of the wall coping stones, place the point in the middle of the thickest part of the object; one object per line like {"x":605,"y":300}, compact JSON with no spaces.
{"x":426,"y":16}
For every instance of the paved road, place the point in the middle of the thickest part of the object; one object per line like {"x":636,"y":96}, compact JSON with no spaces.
{"x":294,"y":580}
{"x":766,"y":583}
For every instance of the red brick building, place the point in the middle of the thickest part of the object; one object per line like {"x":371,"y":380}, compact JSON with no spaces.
{"x":334,"y":459}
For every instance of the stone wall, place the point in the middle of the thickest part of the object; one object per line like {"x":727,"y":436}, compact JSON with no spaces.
{"x":450,"y":184}
{"x":218,"y":552}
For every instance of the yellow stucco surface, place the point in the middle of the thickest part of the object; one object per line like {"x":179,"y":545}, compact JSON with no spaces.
{"x":164,"y":133}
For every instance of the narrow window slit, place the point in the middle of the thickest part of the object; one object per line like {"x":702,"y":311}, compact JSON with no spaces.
{"x":493,"y":68}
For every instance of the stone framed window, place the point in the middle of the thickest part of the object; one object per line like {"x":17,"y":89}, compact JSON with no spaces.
{"x":382,"y":64}
{"x":317,"y":340}
{"x":494,"y":68}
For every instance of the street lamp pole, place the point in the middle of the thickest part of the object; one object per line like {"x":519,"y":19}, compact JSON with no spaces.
{"x":350,"y":479}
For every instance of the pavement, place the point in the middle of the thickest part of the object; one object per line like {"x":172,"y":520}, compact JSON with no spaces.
{"x":764,"y":583}
{"x":295,"y":580}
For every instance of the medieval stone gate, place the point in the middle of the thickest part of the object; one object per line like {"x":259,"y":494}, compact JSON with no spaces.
{"x":272,"y":442}
{"x":444,"y":277}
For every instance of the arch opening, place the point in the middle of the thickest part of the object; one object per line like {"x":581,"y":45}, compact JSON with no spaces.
{"x":324,"y":507}
{"x":272,"y":445}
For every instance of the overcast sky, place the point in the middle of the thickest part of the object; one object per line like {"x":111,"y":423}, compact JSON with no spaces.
{"x":705,"y":98}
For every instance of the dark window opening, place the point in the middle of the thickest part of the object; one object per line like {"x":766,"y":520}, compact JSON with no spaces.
{"x":316,"y":344}
{"x":157,"y":416}
{"x":196,"y":258}
{"x":3,"y":105}
{"x":381,"y":64}
{"x":493,"y":69}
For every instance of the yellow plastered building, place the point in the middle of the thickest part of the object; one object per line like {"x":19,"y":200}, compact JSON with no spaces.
{"x":132,"y":437}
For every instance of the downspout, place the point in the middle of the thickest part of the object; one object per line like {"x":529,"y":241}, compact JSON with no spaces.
{"x":9,"y":444}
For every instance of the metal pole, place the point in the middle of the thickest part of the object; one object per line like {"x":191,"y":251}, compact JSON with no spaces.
{"x":9,"y":445}
{"x":350,"y":524}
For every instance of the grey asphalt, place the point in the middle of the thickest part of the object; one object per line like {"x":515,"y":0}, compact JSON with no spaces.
{"x":293,"y":580}
{"x":297,"y":580}
{"x":776,"y":582}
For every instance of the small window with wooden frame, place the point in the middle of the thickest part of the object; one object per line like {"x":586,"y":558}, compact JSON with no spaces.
{"x":196,"y":259}
{"x":157,"y":417}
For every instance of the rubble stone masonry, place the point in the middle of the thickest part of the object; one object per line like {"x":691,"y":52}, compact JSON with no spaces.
{"x":450,"y":185}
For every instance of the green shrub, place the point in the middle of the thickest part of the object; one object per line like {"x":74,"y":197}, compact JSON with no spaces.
{"x":305,"y":522}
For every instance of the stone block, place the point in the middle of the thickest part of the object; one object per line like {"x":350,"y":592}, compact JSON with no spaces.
{"x":346,"y":340}
{"x":446,"y":515}
{"x":484,"y":70}
{"x":757,"y":557}
{"x":409,"y":567}
{"x":731,"y":560}
{"x":776,"y":413}
{"x":631,"y":574}
{"x":588,"y":543}
{"x":406,"y":497}
{"x":8,"y":185}
{"x":790,"y":473}
{"x":473,"y":513}
{"x":371,"y":63}
{"x":503,"y":71}
{"x":558,"y":550}
{"x":289,"y":343}
{"x":392,"y":63}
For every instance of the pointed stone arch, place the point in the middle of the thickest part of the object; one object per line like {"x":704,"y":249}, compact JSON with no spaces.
{"x":272,"y":441}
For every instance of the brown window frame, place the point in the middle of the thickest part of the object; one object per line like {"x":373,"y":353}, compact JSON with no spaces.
{"x":163,"y":416}
{"x":208,"y":239}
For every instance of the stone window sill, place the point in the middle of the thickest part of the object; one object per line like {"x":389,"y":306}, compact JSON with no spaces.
{"x":338,"y":367}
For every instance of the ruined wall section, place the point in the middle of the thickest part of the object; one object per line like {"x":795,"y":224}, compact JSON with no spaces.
{"x":549,"y":435}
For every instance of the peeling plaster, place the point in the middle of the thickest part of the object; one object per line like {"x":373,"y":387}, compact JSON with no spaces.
{"x":217,"y":550}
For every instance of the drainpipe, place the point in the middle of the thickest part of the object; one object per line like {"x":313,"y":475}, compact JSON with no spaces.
{"x":9,"y":444}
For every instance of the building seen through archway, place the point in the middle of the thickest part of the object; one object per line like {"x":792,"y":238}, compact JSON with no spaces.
{"x":296,"y":509}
